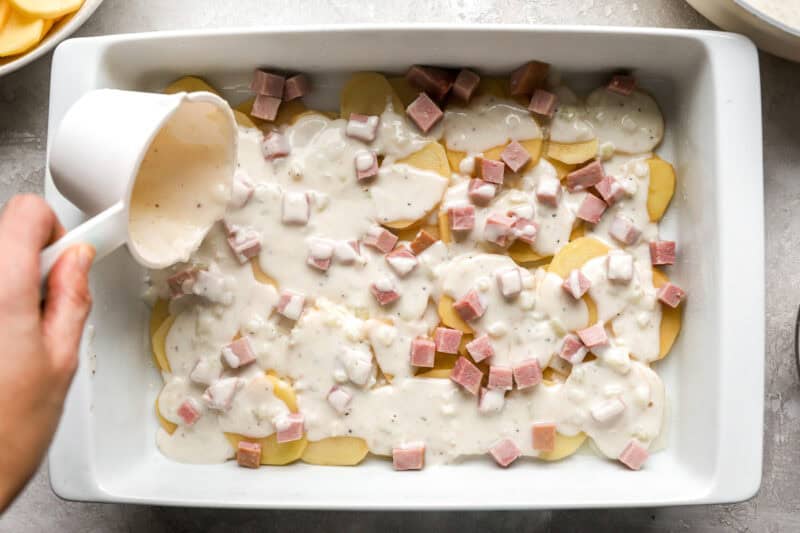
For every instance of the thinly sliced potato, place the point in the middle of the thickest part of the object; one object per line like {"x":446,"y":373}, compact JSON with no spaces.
{"x":283,"y":391}
{"x":368,"y":93}
{"x":261,"y":276}
{"x":158,"y":315}
{"x":336,"y":451}
{"x":575,"y":253}
{"x":435,"y":373}
{"x":46,"y":9}
{"x":670,"y":319}
{"x":432,"y":157}
{"x":449,"y":317}
{"x":272,"y":452}
{"x":564,"y":447}
{"x":403,"y":89}
{"x":661,"y":189}
{"x":497,"y":87}
{"x":5,"y":12}
{"x":243,"y":120}
{"x":572,"y":153}
{"x":20,"y":33}
{"x":159,"y":344}
{"x":168,"y":426}
{"x":444,"y":227}
{"x":189,"y":84}
{"x":562,"y":169}
{"x":523,"y":254}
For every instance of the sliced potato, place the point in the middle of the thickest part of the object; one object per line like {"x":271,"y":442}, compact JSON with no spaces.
{"x":272,"y":452}
{"x":367,"y":93}
{"x":572,"y":153}
{"x":158,"y":315}
{"x":574,"y":254}
{"x":578,"y":231}
{"x":661,"y":189}
{"x":435,"y":373}
{"x":46,"y":9}
{"x":449,"y":317}
{"x":5,"y":12}
{"x":444,"y":227}
{"x":168,"y":426}
{"x":336,"y":451}
{"x":20,"y":33}
{"x":564,"y":447}
{"x":243,"y":120}
{"x":189,"y":84}
{"x":591,"y":309}
{"x":433,"y":158}
{"x":403,"y":89}
{"x":670,"y":319}
{"x":159,"y":344}
{"x":283,"y":391}
{"x":562,"y":169}
{"x":497,"y":87}
{"x":261,"y":276}
{"x":522,"y":253}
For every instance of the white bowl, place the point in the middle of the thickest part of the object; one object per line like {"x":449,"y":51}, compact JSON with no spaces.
{"x":105,"y":448}
{"x":61,"y":31}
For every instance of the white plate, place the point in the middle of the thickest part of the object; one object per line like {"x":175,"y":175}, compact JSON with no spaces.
{"x":105,"y":448}
{"x":56,"y":35}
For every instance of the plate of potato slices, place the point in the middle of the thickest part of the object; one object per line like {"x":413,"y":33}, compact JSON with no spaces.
{"x":31,"y":28}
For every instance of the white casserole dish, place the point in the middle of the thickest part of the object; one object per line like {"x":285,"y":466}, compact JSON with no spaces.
{"x":105,"y":449}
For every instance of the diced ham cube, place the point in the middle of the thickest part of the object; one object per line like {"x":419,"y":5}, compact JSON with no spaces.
{"x":492,"y":171}
{"x":295,"y":208}
{"x":622,"y":84}
{"x":528,"y":77}
{"x":471,"y":306}
{"x":509,"y":281}
{"x":619,"y":266}
{"x":206,"y":371}
{"x":462,"y":217}
{"x":585,"y":177}
{"x":366,"y":164}
{"x":505,"y":452}
{"x":572,"y":349}
{"x":339,"y":399}
{"x":181,"y":283}
{"x":409,"y":456}
{"x":544,"y":436}
{"x":424,"y":112}
{"x":465,"y":85}
{"x":467,"y":375}
{"x":591,"y":209}
{"x":402,"y":260}
{"x":607,"y":409}
{"x":525,"y":230}
{"x":248,"y":454}
{"x":296,"y":87}
{"x":671,"y":294}
{"x":267,"y":83}
{"x":480,"y":348}
{"x":576,"y":284}
{"x":384,"y":291}
{"x":290,"y":427}
{"x":548,"y":190}
{"x":610,"y":190}
{"x":362,"y":127}
{"x":239,"y":353}
{"x":242,"y":189}
{"x":447,"y":340}
{"x":380,"y":238}
{"x":515,"y":156}
{"x":491,"y":400}
{"x":219,"y":395}
{"x":189,"y":411}
{"x":499,"y":229}
{"x":275,"y":145}
{"x":634,"y":455}
{"x":437,"y":82}
{"x":423,"y":352}
{"x":266,"y":107}
{"x":320,"y":254}
{"x":245,"y":243}
{"x":593,"y":335}
{"x":500,"y":377}
{"x":543,"y":103}
{"x":623,"y":230}
{"x":527,"y":373}
{"x":481,"y":192}
{"x":291,"y":304}
{"x":662,"y":252}
{"x":422,"y":242}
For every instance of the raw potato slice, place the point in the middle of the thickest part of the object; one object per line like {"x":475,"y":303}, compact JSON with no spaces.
{"x":336,"y":451}
{"x":243,"y":120}
{"x":449,"y":317}
{"x":20,"y":33}
{"x":433,"y":158}
{"x":444,"y":227}
{"x":261,"y":276}
{"x":670,"y":318}
{"x":283,"y":391}
{"x":158,"y":315}
{"x":564,"y":447}
{"x":273,"y":453}
{"x":591,"y":309}
{"x":562,"y":169}
{"x":5,"y":12}
{"x":661,"y":189}
{"x":368,"y":93}
{"x":435,"y":373}
{"x":578,"y":231}
{"x":47,"y":9}
{"x":403,"y":89}
{"x":522,"y":253}
{"x":189,"y":84}
{"x":159,"y":344}
{"x":575,"y":254}
{"x":168,"y":426}
{"x":572,"y":153}
{"x":497,"y":87}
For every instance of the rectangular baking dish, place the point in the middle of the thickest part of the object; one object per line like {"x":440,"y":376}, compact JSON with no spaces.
{"x":708,"y":86}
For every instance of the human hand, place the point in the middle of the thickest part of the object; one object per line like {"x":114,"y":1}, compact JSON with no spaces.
{"x":38,"y":342}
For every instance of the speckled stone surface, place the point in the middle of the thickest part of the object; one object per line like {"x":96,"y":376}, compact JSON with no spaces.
{"x":23,"y":123}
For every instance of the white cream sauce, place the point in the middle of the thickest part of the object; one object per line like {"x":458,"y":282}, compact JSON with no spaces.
{"x":487,"y":122}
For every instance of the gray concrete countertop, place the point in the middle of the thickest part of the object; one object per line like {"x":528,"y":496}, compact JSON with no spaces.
{"x":23,"y":123}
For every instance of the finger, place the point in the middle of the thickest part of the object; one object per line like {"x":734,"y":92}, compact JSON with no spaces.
{"x":67,"y":306}
{"x":58,"y":232}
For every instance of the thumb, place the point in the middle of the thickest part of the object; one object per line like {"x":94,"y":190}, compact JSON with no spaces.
{"x":67,"y":306}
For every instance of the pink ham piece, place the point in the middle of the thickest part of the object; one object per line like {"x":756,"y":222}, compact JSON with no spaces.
{"x":491,"y":400}
{"x":239,"y":353}
{"x":266,"y":107}
{"x":499,"y":229}
{"x":189,"y":411}
{"x":544,"y":436}
{"x":525,"y":230}
{"x":610,"y":190}
{"x":242,"y":189}
{"x":219,"y":395}
{"x":447,"y":340}
{"x":572,"y":349}
{"x":491,"y":171}
{"x":362,"y":127}
{"x":509,"y":281}
{"x":619,"y":266}
{"x":585,"y":177}
{"x":548,"y":191}
{"x":424,"y":112}
{"x":422,"y":242}
{"x":462,"y":217}
{"x":634,"y":455}
{"x":423,"y":352}
{"x":295,"y":208}
{"x":465,"y":85}
{"x":576,"y":284}
{"x":380,"y":238}
{"x":593,"y":336}
{"x":528,"y":77}
{"x":543,"y":103}
{"x":435,"y":81}
{"x":500,"y":377}
{"x":267,"y":83}
{"x":467,"y":375}
{"x":320,"y":254}
{"x":181,"y":283}
{"x":248,"y":454}
{"x":527,"y":373}
{"x":481,"y":192}
{"x":339,"y":399}
{"x":296,"y":87}
{"x":662,"y":252}
{"x":505,"y":452}
{"x":480,"y":348}
{"x":671,"y":295}
{"x":275,"y":145}
{"x":245,"y":243}
{"x":366,"y":164}
{"x":591,"y":209}
{"x":471,"y":306}
{"x":622,"y":84}
{"x":409,"y":456}
{"x":291,"y":304}
{"x":607,"y":409}
{"x":384,"y":291}
{"x":402,"y":260}
{"x":623,"y":230}
{"x":515,"y":156}
{"x":290,"y":427}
